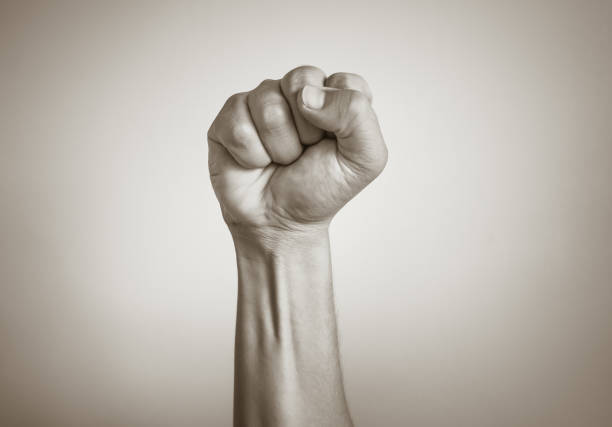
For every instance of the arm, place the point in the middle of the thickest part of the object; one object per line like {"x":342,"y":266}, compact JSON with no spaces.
{"x":283,"y":159}
{"x":287,"y":364}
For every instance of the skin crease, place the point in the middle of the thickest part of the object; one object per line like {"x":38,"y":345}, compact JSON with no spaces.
{"x":283,"y":159}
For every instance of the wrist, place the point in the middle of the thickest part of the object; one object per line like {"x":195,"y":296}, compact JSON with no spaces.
{"x":277,"y":241}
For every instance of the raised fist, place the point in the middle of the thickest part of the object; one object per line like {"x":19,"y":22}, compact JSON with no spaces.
{"x":291,"y":152}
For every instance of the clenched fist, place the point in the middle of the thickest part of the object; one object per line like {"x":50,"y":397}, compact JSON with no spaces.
{"x":291,"y":152}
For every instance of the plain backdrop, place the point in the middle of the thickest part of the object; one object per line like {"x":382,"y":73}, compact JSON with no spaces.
{"x":473,"y":278}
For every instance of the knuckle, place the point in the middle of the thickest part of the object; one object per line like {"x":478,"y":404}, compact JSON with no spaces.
{"x":235,"y":97}
{"x":211,"y":134}
{"x":273,"y":116}
{"x":239,"y":135}
{"x":265,"y":93}
{"x":298,"y":77}
{"x":219,"y":125}
{"x":346,"y":80}
{"x":268,"y":106}
{"x":232,"y":100}
{"x":349,"y":81}
{"x":268,"y":83}
{"x":342,"y":79}
{"x":265,"y":86}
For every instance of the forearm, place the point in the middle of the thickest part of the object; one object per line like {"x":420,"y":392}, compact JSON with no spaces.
{"x":274,"y":164}
{"x":287,"y":367}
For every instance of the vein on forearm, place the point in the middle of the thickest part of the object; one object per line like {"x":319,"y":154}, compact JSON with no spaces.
{"x":286,"y":337}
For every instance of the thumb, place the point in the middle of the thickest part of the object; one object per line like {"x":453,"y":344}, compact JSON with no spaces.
{"x":348,"y":114}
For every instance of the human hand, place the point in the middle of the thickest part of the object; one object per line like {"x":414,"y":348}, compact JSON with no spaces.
{"x":290,"y":153}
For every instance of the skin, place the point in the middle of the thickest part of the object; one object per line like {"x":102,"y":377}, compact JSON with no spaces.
{"x":283,"y":159}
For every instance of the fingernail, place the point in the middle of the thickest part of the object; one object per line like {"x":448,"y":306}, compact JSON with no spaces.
{"x":313,"y":97}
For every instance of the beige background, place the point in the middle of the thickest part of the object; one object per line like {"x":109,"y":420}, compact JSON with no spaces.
{"x":474,"y":278}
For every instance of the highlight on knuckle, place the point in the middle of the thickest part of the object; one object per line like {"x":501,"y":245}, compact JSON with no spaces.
{"x":239,"y":135}
{"x":273,"y":116}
